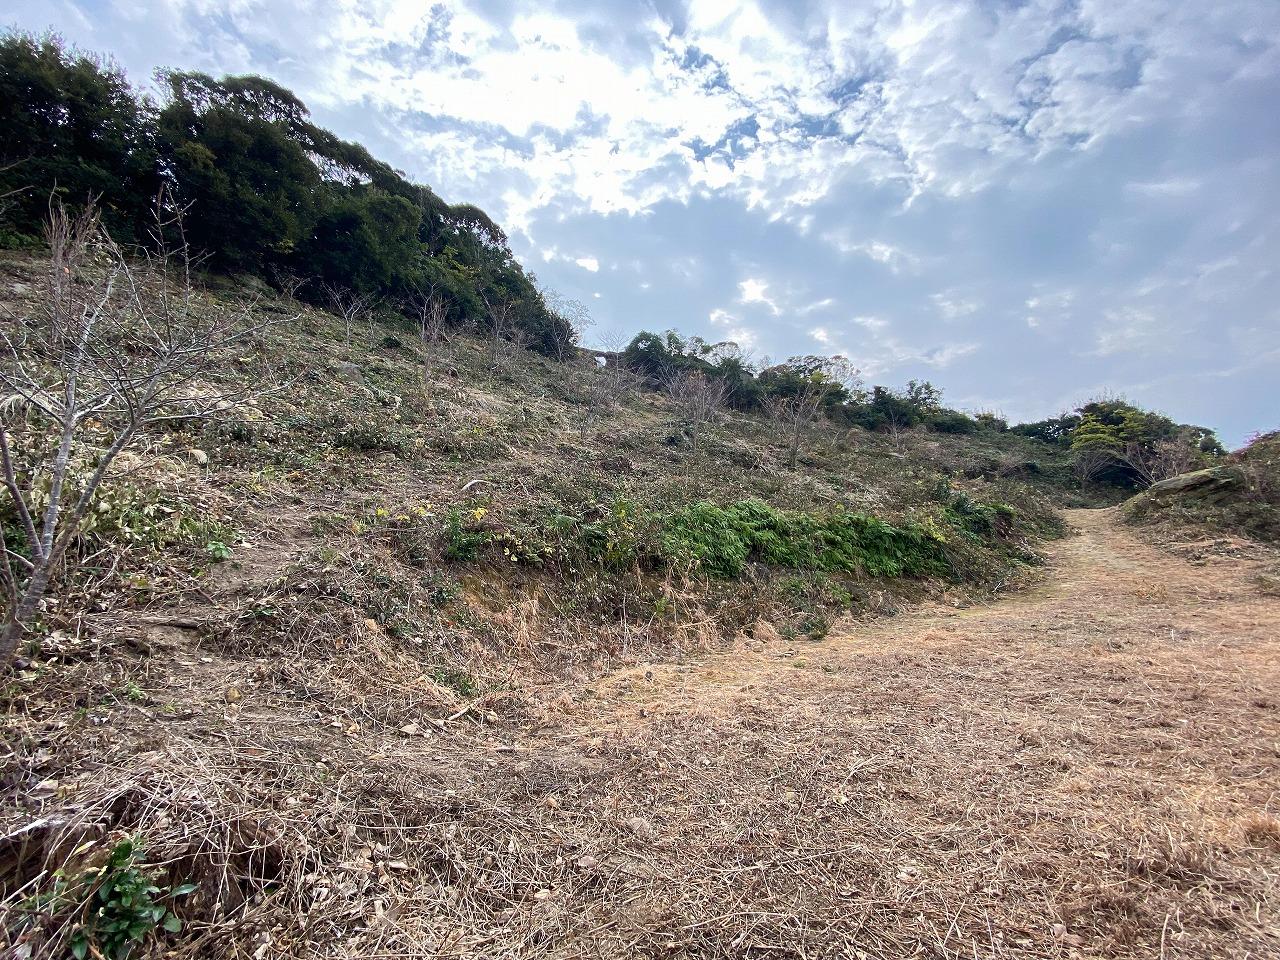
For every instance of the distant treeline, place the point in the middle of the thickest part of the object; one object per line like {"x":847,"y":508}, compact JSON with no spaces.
{"x":265,"y":190}
{"x":1116,"y":441}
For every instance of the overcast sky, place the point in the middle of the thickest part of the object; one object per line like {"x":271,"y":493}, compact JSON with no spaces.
{"x":1025,"y":201}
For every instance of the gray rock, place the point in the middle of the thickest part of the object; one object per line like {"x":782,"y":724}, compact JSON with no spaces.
{"x":1209,"y":484}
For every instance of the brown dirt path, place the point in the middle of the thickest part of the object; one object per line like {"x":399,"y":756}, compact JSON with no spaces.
{"x":1089,"y":768}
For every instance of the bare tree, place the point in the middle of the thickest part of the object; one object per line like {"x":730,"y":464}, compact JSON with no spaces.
{"x":502,"y":320}
{"x":574,"y":313}
{"x":431,"y":311}
{"x":605,"y":386}
{"x":791,"y":415}
{"x":112,"y":348}
{"x":897,"y":426}
{"x":288,"y":282}
{"x":699,"y":399}
{"x":807,"y":392}
{"x":1088,"y":463}
{"x":1153,"y":462}
{"x":352,"y":307}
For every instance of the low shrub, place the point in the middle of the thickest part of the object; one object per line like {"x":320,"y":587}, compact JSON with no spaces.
{"x":952,"y":421}
{"x":719,"y":541}
{"x":373,"y":438}
{"x":463,"y":539}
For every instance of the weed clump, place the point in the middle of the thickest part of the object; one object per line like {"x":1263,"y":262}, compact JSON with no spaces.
{"x":704,"y":538}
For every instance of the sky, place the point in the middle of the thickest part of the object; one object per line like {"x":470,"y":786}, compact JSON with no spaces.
{"x":1027,"y":202}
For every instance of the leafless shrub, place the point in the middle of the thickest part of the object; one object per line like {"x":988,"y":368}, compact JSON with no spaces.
{"x":1089,"y":463}
{"x":898,"y":430}
{"x":431,"y":311}
{"x":288,"y":282}
{"x":501,"y":312}
{"x":113,"y":348}
{"x":352,"y":307}
{"x":573,"y":312}
{"x":1162,"y":459}
{"x":793,"y":412}
{"x":699,"y":399}
{"x":605,"y":387}
{"x":791,"y":416}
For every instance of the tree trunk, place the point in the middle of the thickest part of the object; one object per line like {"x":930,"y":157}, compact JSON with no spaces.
{"x":12,"y":631}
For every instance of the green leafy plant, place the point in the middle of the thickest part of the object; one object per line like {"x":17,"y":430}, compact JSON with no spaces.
{"x":462,"y":538}
{"x":720,"y":540}
{"x":459,"y":681}
{"x":117,"y":906}
{"x":217,"y":550}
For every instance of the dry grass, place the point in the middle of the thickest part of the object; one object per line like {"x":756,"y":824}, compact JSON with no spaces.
{"x":1086,"y":769}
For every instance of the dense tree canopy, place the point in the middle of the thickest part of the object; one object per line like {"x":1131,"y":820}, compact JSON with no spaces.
{"x":265,"y":190}
{"x":73,"y":127}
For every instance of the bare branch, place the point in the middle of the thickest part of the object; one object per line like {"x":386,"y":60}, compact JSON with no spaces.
{"x":352,"y":307}
{"x":115,"y":346}
{"x":431,"y":310}
{"x":698,"y":397}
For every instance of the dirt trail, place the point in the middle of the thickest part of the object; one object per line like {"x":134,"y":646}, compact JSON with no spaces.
{"x":1088,"y":768}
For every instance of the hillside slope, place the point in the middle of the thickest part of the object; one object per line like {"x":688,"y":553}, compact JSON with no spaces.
{"x":1240,"y":496}
{"x":502,"y":496}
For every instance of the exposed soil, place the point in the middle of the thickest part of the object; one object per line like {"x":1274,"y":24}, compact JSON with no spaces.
{"x":1088,"y":768}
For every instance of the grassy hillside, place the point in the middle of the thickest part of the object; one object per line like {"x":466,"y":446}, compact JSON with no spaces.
{"x":269,"y":608}
{"x":503,"y":487}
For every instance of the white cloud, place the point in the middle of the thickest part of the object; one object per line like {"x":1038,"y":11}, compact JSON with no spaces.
{"x":941,"y":98}
{"x":952,"y":306}
{"x":1128,"y":329}
{"x":752,"y":290}
{"x":721,"y":318}
{"x":893,"y":257}
{"x":588,"y":263}
{"x":1173,"y":187}
{"x":816,"y":306}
